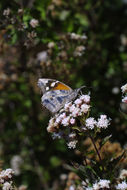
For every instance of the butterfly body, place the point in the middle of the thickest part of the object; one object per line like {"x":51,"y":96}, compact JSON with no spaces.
{"x":55,"y":94}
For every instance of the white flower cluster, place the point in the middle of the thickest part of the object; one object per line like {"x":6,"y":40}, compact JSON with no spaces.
{"x":79,"y":51}
{"x":124,"y":99}
{"x":122,"y":186}
{"x":103,"y":183}
{"x":72,"y":144}
{"x":72,"y":187}
{"x":42,"y":56}
{"x":124,"y":91}
{"x":123,"y":174}
{"x":16,"y":163}
{"x":124,"y":88}
{"x":90,"y":123}
{"x":75,"y":36}
{"x":64,"y":123}
{"x":7,"y":12}
{"x":102,"y":122}
{"x":51,"y":45}
{"x":7,"y":186}
{"x":68,"y":115}
{"x":34,"y":22}
{"x":5,"y":176}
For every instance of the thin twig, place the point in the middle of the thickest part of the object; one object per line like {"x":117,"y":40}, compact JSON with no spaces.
{"x":97,"y":151}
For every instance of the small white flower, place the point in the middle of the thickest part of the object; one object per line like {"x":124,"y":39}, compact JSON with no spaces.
{"x":51,"y":45}
{"x":96,"y":186}
{"x":22,"y":187}
{"x":90,"y":123}
{"x":34,"y":23}
{"x":56,"y":135}
{"x":72,"y":144}
{"x":7,"y":12}
{"x":42,"y":56}
{"x":85,"y":108}
{"x":7,"y":173}
{"x":31,"y":35}
{"x":62,"y":116}
{"x":20,"y":11}
{"x":89,"y":188}
{"x":103,"y":183}
{"x":76,"y":112}
{"x":72,"y":135}
{"x":71,"y":187}
{"x":78,"y":101}
{"x":1,"y":179}
{"x":16,"y":163}
{"x":84,"y":37}
{"x":72,"y":108}
{"x":65,"y":121}
{"x":103,"y":122}
{"x":51,"y":126}
{"x":7,"y":186}
{"x":85,"y":98}
{"x":124,"y":88}
{"x":67,"y":106}
{"x":79,"y":51}
{"x":74,"y":36}
{"x":51,"y":121}
{"x":123,"y":174}
{"x":124,"y":100}
{"x":63,"y":177}
{"x":122,"y":186}
{"x":115,"y":90}
{"x":58,"y":120}
{"x":72,"y":121}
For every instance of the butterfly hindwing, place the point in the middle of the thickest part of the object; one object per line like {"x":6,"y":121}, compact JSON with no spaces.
{"x":54,"y":100}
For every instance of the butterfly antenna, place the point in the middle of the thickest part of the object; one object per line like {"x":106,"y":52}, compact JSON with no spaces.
{"x":82,"y":87}
{"x":79,"y":89}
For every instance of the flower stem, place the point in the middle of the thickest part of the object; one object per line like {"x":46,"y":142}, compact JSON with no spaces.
{"x":97,"y":151}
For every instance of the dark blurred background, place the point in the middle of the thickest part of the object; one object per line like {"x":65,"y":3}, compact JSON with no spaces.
{"x":47,"y":50}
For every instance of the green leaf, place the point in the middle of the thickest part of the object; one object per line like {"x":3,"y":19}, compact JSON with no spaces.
{"x":55,"y":161}
{"x":64,"y":14}
{"x":76,"y":128}
{"x":104,"y":141}
{"x":84,"y":172}
{"x":113,"y":162}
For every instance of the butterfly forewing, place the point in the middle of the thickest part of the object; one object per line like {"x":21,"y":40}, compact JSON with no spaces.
{"x":51,"y":84}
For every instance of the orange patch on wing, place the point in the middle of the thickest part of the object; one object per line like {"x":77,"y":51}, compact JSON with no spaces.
{"x":61,"y":86}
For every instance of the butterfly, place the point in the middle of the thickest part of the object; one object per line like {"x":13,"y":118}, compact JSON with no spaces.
{"x":56,"y":94}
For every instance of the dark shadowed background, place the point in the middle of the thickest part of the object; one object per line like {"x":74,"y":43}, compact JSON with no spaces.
{"x":26,"y":54}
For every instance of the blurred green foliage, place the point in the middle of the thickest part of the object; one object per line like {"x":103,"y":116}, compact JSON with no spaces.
{"x":102,"y":68}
